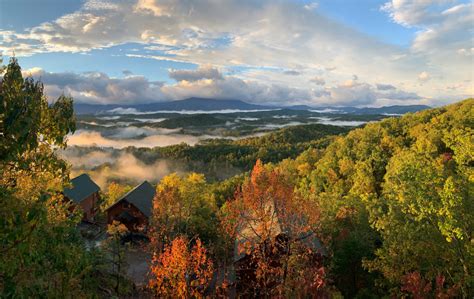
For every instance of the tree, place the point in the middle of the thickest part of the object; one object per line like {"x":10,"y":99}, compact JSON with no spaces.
{"x":394,"y":199}
{"x":182,"y":206}
{"x":429,"y":220}
{"x":181,"y":272}
{"x":114,"y":192}
{"x":115,"y":249}
{"x":41,"y":254}
{"x":419,"y":288}
{"x":274,"y":230}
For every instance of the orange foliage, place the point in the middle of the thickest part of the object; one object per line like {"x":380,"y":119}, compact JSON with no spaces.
{"x":179,"y":272}
{"x":271,"y":222}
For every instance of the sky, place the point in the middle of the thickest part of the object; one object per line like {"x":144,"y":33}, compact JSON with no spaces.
{"x":319,"y":53}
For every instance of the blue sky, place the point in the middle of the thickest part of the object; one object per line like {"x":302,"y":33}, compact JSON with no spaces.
{"x":286,"y":52}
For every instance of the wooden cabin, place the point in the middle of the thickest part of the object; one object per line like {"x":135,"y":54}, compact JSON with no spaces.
{"x":134,"y":208}
{"x":84,"y":193}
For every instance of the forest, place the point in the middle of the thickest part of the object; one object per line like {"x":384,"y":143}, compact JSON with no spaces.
{"x":384,"y":210}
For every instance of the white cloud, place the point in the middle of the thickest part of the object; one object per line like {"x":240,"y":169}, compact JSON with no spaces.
{"x":424,"y":76}
{"x":444,"y":39}
{"x":98,"y":88}
{"x":102,"y":89}
{"x":412,"y":12}
{"x":203,"y":72}
{"x":265,"y":35}
{"x":311,"y":5}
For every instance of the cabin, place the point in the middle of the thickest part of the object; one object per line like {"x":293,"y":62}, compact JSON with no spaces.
{"x":84,"y":193}
{"x":134,"y":208}
{"x":249,"y":238}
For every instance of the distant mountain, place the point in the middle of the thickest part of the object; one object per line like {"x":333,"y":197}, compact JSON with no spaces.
{"x":203,"y":104}
{"x":299,"y":107}
{"x":397,"y":109}
{"x":191,"y":104}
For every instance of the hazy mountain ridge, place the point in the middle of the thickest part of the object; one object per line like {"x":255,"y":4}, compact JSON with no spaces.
{"x":191,"y":104}
{"x":205,"y":104}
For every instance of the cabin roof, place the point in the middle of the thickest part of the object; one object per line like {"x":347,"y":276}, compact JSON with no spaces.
{"x":82,"y":187}
{"x":141,"y":197}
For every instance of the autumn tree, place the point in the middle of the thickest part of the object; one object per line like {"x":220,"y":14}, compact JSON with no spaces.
{"x":180,"y":271}
{"x":113,"y":193}
{"x":115,"y":250}
{"x":182,"y":206}
{"x":419,"y":288}
{"x":275,"y":231}
{"x":394,"y":198}
{"x":41,"y":254}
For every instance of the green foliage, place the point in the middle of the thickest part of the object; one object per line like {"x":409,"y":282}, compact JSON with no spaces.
{"x":41,"y":254}
{"x":114,"y":192}
{"x":25,"y":115}
{"x":398,"y":193}
{"x":212,"y":157}
{"x":115,"y":254}
{"x":183,"y":207}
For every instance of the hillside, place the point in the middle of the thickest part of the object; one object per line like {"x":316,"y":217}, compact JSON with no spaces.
{"x":396,"y":198}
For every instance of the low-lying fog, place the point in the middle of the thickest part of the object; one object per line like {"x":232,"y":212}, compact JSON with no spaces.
{"x":98,"y":146}
{"x":105,"y":166}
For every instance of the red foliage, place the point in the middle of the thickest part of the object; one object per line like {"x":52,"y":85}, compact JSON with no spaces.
{"x":419,"y":288}
{"x":274,"y":226}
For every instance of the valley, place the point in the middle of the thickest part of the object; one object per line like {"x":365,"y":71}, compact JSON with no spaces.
{"x":127,"y":145}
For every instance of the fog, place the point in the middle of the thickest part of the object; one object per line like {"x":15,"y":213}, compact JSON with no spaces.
{"x":150,"y":120}
{"x":136,"y":132}
{"x":125,"y":167}
{"x":134,"y":111}
{"x":248,"y":118}
{"x":279,"y":126}
{"x":94,"y":138}
{"x":341,"y":123}
{"x":87,"y":160}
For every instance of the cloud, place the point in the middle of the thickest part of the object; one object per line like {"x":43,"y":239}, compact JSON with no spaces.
{"x":412,"y":13}
{"x":385,"y":86}
{"x":318,"y":81}
{"x":443,"y":38}
{"x":354,"y":93}
{"x":311,"y":5}
{"x":98,"y":88}
{"x":231,"y":87}
{"x":203,"y":72}
{"x":254,"y":37}
{"x":233,"y":33}
{"x":210,"y":83}
{"x":291,"y":73}
{"x":424,"y":76}
{"x":351,"y":93}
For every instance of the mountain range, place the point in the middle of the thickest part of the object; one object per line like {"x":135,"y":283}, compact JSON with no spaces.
{"x":205,"y":104}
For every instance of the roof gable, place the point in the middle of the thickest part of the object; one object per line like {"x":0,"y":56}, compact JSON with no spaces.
{"x":82,"y":187}
{"x":141,"y":197}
